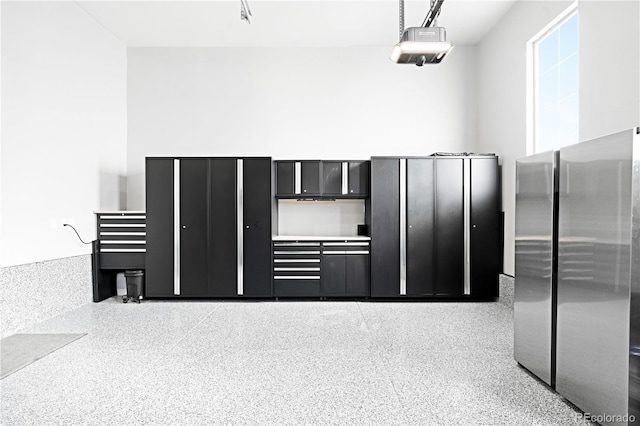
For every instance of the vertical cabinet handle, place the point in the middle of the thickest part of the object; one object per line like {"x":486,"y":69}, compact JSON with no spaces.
{"x":176,"y":227}
{"x":240,"y":224}
{"x":345,"y":178}
{"x":467,"y":222}
{"x":297,"y":178}
{"x":403,"y":227}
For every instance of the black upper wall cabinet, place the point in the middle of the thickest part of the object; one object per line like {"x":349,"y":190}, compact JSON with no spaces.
{"x":209,"y":227}
{"x":332,"y":178}
{"x":285,"y":179}
{"x":310,"y":178}
{"x":298,"y":177}
{"x":359,"y":178}
{"x":328,"y":179}
{"x":435,"y":227}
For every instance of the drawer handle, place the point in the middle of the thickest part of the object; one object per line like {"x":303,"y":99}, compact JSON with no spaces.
{"x":122,"y":242}
{"x":345,"y":252}
{"x":366,"y":244}
{"x":297,"y":252}
{"x":122,"y":250}
{"x":122,"y":233}
{"x":123,"y":217}
{"x":122,"y":225}
{"x":298,"y":244}
{"x":302,"y":277}
{"x":296,"y":269}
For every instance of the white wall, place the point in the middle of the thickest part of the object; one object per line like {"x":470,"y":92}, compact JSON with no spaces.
{"x":502,"y":96}
{"x":609,"y":67}
{"x":323,"y":218}
{"x":63,"y":129}
{"x":609,"y":94}
{"x":323,"y":103}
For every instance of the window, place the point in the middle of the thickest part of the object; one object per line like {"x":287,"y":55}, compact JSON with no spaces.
{"x":555,"y":84}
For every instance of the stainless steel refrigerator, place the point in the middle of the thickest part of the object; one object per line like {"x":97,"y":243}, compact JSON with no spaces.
{"x":598,"y":337}
{"x":578,"y":214}
{"x":536,"y":264}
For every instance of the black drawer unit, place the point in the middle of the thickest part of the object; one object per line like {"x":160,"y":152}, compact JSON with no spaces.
{"x":120,"y":245}
{"x":121,"y":239}
{"x":296,"y":268}
{"x":321,"y":268}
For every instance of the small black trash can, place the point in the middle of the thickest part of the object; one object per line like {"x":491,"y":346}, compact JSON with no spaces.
{"x":134,"y":285}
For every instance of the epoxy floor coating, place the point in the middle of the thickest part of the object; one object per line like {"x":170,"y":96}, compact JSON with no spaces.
{"x":274,"y":363}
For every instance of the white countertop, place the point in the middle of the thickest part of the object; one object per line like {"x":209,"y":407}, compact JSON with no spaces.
{"x":321,"y":238}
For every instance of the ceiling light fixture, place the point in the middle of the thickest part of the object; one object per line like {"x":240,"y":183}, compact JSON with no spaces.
{"x":245,"y":11}
{"x":422,"y":45}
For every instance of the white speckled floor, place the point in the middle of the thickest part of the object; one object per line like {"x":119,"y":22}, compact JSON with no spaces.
{"x":183,"y":363}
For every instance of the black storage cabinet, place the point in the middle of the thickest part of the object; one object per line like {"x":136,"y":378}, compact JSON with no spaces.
{"x":435,"y":227}
{"x":322,"y":179}
{"x":345,"y":275}
{"x":120,"y":246}
{"x":216,"y":253}
{"x":331,"y":268}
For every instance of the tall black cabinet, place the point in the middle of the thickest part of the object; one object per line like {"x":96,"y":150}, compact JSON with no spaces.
{"x":208,"y":227}
{"x":435,"y":227}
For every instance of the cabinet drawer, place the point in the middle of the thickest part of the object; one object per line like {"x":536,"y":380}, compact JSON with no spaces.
{"x":286,"y":249}
{"x":297,"y":287}
{"x":345,"y":248}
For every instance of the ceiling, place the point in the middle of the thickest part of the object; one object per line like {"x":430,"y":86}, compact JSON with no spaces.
{"x":286,"y":22}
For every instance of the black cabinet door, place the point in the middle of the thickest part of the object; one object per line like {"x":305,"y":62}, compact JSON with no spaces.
{"x":310,"y":177}
{"x":420,"y":227}
{"x":333,"y":275}
{"x":285,"y":178}
{"x":357,"y":274}
{"x":160,"y":227}
{"x":485,"y":227}
{"x":194,"y":173}
{"x":385,"y":227}
{"x":332,"y":178}
{"x":359,"y":178}
{"x":257,"y":227}
{"x":449,"y":224}
{"x":223,"y":228}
